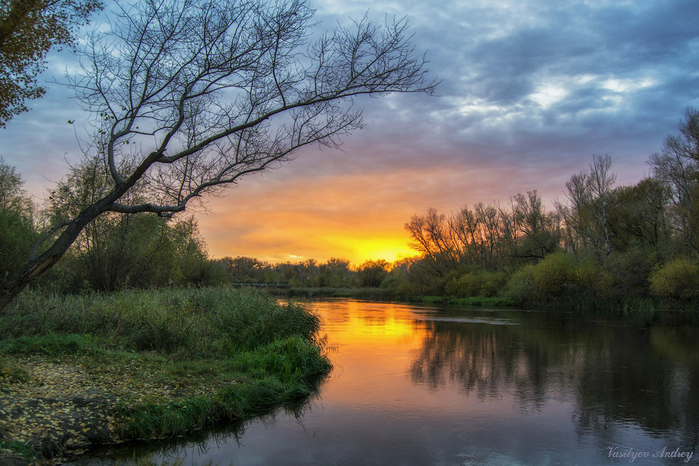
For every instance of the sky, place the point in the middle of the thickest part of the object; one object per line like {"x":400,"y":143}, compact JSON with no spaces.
{"x":530,"y":90}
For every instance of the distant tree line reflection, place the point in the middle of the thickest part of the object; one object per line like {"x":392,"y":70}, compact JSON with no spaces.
{"x":615,"y":375}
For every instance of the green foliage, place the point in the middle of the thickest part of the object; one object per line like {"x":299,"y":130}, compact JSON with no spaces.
{"x":246,"y":352}
{"x":638,"y":216}
{"x":480,"y":301}
{"x":593,"y":282}
{"x":135,"y":251}
{"x":281,"y":371}
{"x":215,"y":322}
{"x":629,"y":271}
{"x":49,"y":344}
{"x":335,"y":273}
{"x":117,"y":251}
{"x":678,"y":279}
{"x":157,"y":420}
{"x":246,"y":400}
{"x":372,"y":273}
{"x":552,"y":274}
{"x":17,"y":233}
{"x":19,"y":448}
{"x":397,"y":282}
{"x":558,"y":276}
{"x":485,"y":283}
{"x":521,"y":288}
{"x":28,"y":30}
{"x":291,"y":360}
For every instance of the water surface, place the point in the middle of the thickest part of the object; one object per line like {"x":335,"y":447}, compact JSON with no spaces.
{"x":415,"y":385}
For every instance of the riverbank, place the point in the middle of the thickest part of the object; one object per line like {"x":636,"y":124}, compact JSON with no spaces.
{"x":384,"y":294}
{"x":639,"y":310}
{"x":89,"y":370}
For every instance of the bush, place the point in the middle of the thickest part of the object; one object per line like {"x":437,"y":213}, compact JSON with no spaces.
{"x":552,"y":275}
{"x":592,"y":281}
{"x":558,"y":276}
{"x":630,"y":270}
{"x":678,"y":279}
{"x":485,"y":283}
{"x":521,"y":288}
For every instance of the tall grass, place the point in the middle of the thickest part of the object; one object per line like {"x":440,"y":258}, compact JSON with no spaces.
{"x":186,"y":323}
{"x":254,"y":352}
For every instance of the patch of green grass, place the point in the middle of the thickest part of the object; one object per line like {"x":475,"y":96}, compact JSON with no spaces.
{"x":19,"y":448}
{"x":251,"y":399}
{"x":291,"y":361}
{"x":50,"y":344}
{"x":279,"y":372}
{"x":157,"y":420}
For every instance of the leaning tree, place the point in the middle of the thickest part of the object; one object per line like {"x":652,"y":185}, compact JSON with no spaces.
{"x":192,"y":95}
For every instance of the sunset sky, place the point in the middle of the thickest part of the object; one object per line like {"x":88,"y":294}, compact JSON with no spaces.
{"x":531,"y":90}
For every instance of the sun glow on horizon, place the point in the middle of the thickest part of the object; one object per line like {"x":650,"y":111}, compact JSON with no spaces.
{"x":389,"y":249}
{"x":356,"y":250}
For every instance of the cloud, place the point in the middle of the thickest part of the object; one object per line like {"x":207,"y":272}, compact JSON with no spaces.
{"x":531,"y":89}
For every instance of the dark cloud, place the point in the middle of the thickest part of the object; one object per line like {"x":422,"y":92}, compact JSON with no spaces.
{"x":531,"y":89}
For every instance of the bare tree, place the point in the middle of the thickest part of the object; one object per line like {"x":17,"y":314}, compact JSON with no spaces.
{"x":590,"y":195}
{"x":601,"y":185}
{"x":433,"y":236}
{"x":677,"y":166}
{"x":193,"y":95}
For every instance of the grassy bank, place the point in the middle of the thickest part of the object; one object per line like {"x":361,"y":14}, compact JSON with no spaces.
{"x":157,"y":363}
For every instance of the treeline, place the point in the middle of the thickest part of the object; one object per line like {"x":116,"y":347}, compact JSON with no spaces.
{"x":335,"y":273}
{"x":119,"y":251}
{"x":604,"y":245}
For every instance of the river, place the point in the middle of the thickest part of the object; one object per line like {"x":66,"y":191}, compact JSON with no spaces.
{"x":418,"y":385}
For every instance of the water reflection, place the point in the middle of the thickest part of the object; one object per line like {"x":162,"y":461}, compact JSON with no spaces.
{"x":422,"y":385}
{"x":616,"y":376}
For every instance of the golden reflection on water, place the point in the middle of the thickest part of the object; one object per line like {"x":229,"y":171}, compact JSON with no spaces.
{"x":371,"y":350}
{"x":412,"y":361}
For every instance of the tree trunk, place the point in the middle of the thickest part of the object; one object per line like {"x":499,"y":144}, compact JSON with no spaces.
{"x":38,"y":265}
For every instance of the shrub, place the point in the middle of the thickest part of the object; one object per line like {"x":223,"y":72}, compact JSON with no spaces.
{"x":558,"y":275}
{"x":630,"y":270}
{"x":485,"y":283}
{"x":553,"y":273}
{"x":678,"y":279}
{"x":593,"y":281}
{"x":521,"y":288}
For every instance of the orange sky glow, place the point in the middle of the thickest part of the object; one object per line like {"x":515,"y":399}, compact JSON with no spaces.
{"x":310,"y":209}
{"x":349,"y":217}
